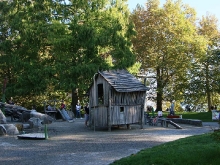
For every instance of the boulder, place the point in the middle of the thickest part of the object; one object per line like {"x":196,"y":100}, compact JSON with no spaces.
{"x":45,"y":119}
{"x":15,"y":111}
{"x":9,"y":108}
{"x":2,"y":118}
{"x":2,"y":130}
{"x":9,"y":129}
{"x":26,"y":115}
{"x":34,"y":122}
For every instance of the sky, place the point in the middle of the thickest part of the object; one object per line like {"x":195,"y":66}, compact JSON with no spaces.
{"x":202,"y":7}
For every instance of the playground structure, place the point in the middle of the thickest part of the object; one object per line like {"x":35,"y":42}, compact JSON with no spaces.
{"x":55,"y":112}
{"x":116,"y":98}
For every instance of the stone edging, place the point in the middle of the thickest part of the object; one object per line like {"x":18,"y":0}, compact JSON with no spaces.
{"x":188,"y":121}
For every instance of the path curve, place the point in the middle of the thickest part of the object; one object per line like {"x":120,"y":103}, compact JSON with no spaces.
{"x":75,"y":144}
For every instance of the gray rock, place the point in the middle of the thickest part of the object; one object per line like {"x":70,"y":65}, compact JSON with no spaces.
{"x":34,"y":122}
{"x":11,"y":129}
{"x":2,"y":118}
{"x":46,"y":119}
{"x":2,"y":130}
{"x":26,"y":115}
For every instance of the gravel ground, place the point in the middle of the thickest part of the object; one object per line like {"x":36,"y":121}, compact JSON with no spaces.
{"x":75,"y":144}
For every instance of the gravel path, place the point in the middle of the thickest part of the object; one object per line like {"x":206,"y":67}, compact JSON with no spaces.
{"x":75,"y":144}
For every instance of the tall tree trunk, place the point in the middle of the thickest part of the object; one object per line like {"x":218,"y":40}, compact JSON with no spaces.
{"x":208,"y":93}
{"x":159,"y":91}
{"x":159,"y":101}
{"x":74,"y":100}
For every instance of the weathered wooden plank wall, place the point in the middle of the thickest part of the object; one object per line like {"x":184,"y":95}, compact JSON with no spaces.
{"x":93,"y":95}
{"x":130,"y":98}
{"x":130,"y":115}
{"x":129,"y":103}
{"x":98,"y":116}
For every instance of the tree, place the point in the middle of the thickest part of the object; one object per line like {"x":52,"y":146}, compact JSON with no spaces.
{"x":166,"y":42}
{"x":25,"y":48}
{"x":58,"y":45}
{"x":216,"y":70}
{"x":209,"y":29}
{"x":205,"y":69}
{"x":95,"y":35}
{"x":5,"y":44}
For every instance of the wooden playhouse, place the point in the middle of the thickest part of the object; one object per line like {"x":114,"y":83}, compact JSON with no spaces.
{"x":116,"y":98}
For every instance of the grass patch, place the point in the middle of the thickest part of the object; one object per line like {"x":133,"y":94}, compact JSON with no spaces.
{"x":196,"y":150}
{"x":204,"y":116}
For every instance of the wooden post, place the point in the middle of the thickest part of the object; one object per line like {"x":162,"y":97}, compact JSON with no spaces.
{"x":94,"y":118}
{"x":142,"y":116}
{"x":45,"y":131}
{"x":94,"y":99}
{"x":109,"y":110}
{"x":142,"y":110}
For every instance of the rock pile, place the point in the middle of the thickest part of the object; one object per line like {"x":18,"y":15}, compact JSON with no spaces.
{"x":7,"y":129}
{"x":33,"y":119}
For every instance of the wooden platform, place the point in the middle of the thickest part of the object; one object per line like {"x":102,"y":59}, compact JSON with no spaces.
{"x":36,"y":136}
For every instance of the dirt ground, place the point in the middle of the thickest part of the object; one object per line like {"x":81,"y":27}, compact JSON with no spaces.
{"x":75,"y":144}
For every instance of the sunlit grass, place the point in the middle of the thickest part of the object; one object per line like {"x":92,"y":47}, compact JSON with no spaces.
{"x":204,"y":116}
{"x":197,"y":150}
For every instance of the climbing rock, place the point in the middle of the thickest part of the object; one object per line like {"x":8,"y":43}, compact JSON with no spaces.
{"x":45,"y":119}
{"x":2,"y":118}
{"x":9,"y":129}
{"x":34,"y":122}
{"x":2,"y":130}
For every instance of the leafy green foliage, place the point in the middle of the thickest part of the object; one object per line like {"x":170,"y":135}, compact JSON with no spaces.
{"x":166,"y":42}
{"x":57,"y":45}
{"x":205,"y":67}
{"x":96,"y":37}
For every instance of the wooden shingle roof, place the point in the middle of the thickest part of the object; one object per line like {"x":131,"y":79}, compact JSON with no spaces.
{"x":123,"y":81}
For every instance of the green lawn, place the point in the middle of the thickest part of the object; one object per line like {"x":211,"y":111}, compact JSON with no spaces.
{"x":194,"y":150}
{"x":204,"y":116}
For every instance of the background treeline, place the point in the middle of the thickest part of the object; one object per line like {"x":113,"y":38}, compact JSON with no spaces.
{"x":181,"y":49}
{"x":50,"y":49}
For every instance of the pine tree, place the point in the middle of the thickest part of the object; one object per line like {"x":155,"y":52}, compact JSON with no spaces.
{"x":58,"y":45}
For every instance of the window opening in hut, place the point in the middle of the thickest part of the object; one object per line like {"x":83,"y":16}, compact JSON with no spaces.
{"x":100,"y":94}
{"x":122,"y":109}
